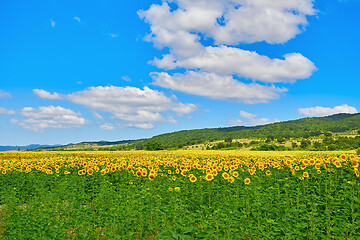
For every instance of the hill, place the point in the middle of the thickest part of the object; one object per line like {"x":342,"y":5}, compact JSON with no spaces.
{"x":28,"y":147}
{"x":300,"y":129}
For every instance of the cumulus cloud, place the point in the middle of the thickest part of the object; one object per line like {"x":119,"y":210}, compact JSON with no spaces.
{"x":228,"y":21}
{"x":126,"y":78}
{"x":6,"y":111}
{"x":52,"y":23}
{"x":77,"y":19}
{"x":182,"y":27}
{"x":326,"y":111}
{"x":133,"y":106}
{"x":247,"y":115}
{"x":46,"y":117}
{"x":217,"y":86}
{"x":252,"y":122}
{"x":107,"y":126}
{"x":4,"y":94}
{"x":46,"y":95}
{"x":113,"y":35}
{"x":245,"y":64}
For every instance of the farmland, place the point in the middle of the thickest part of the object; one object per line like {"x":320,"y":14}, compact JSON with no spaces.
{"x":179,"y":195}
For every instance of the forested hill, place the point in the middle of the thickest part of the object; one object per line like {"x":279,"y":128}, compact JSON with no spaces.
{"x":305,"y":127}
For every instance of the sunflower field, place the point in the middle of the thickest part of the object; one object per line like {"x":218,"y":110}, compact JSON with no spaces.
{"x":179,"y":195}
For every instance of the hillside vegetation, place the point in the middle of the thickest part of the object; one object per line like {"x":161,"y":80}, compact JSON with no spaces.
{"x":336,"y":132}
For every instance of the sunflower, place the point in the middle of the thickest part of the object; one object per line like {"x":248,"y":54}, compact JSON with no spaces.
{"x":209,"y":177}
{"x":151,"y":176}
{"x":306,"y":174}
{"x":247,"y":181}
{"x":193,"y":178}
{"x":170,"y":189}
{"x":173,"y":178}
{"x":231,"y":179}
{"x":318,"y":171}
{"x":337,"y":164}
{"x":177,"y":189}
{"x":90,"y":171}
{"x":138,"y":173}
{"x":268,"y":172}
{"x":301,"y":178}
{"x":225,"y":175}
{"x":235,"y":174}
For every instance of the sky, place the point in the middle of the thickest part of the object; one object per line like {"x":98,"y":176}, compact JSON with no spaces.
{"x":73,"y":71}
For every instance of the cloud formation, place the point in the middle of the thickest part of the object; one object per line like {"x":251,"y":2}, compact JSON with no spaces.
{"x":251,"y":120}
{"x":244,"y":114}
{"x":133,"y":106}
{"x":46,"y":117}
{"x":217,"y":86}
{"x":4,"y":94}
{"x":113,"y":35}
{"x":6,"y":111}
{"x":183,"y":27}
{"x":52,"y":23}
{"x":77,"y":19}
{"x":326,"y":111}
{"x":46,"y":95}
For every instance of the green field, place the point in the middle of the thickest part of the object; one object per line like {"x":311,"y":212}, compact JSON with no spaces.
{"x":179,"y":195}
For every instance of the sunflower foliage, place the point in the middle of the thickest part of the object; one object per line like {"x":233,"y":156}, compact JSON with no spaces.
{"x":179,"y":195}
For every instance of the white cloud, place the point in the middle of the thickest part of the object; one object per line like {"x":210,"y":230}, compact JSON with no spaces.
{"x":52,"y":23}
{"x":39,"y":119}
{"x":126,"y":78}
{"x":107,"y":126}
{"x":4,"y":94}
{"x":113,"y":35}
{"x":252,"y":122}
{"x":142,"y":125}
{"x":325,"y":111}
{"x":228,"y":21}
{"x":245,"y":64}
{"x":217,"y":87}
{"x":46,"y":95}
{"x":77,"y":19}
{"x":133,"y":106}
{"x":182,"y":29}
{"x":6,"y":111}
{"x":247,"y":115}
{"x":97,"y":115}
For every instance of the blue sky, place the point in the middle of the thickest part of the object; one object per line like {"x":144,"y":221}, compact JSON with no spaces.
{"x":73,"y":71}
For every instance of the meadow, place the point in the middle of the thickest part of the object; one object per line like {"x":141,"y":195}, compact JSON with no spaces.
{"x":179,"y":195}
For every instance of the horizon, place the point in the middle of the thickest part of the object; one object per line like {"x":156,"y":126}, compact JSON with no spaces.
{"x":88,"y":71}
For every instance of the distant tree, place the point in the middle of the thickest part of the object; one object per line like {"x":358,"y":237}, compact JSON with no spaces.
{"x":317,"y":145}
{"x":358,"y":151}
{"x":358,"y":131}
{"x":294,"y":145}
{"x":154,"y":146}
{"x":271,"y":137}
{"x":305,"y":143}
{"x":328,"y":134}
{"x":228,"y":140}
